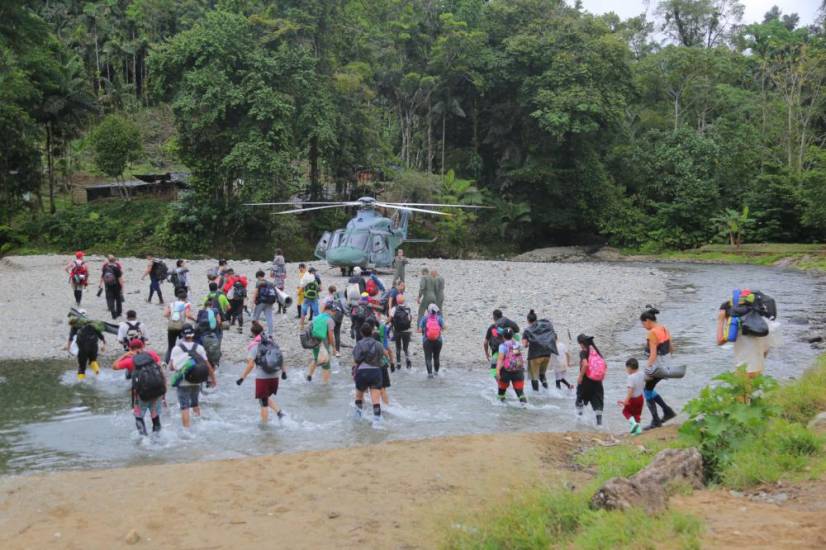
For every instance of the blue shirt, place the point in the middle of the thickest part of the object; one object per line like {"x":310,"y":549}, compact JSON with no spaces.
{"x":423,"y":325}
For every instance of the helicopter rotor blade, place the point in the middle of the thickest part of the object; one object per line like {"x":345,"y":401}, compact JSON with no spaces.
{"x":386,"y":205}
{"x":302,"y":210}
{"x":294,"y":203}
{"x":406,"y":204}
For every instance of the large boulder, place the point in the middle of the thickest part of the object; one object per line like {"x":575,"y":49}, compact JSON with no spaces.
{"x":649,"y":487}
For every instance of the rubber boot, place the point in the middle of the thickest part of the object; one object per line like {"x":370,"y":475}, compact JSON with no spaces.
{"x":298,"y":309}
{"x":668,"y":412}
{"x":156,"y":424}
{"x":655,"y":416}
{"x":535,"y":385}
{"x":543,"y":381}
{"x":95,"y":367}
{"x":141,"y":425}
{"x":599,"y":418}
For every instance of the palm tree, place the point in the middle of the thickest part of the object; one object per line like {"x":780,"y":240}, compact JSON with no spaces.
{"x":733,"y":224}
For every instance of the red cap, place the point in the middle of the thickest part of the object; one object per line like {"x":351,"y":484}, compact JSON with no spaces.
{"x":135,"y":343}
{"x":79,"y":254}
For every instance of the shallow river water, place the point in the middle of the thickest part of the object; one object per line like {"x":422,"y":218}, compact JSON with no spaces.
{"x":50,"y":422}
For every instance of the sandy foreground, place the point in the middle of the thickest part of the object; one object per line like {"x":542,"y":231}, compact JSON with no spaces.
{"x":402,"y":494}
{"x":588,"y":298}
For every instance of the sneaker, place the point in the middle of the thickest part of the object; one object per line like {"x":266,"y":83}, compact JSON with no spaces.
{"x":430,"y":375}
{"x":409,"y":364}
{"x":669,"y":414}
{"x":632,"y":425}
{"x":309,"y":378}
{"x":637,"y":429}
{"x":392,"y":368}
{"x":281,"y":414}
{"x":545,"y":384}
{"x":653,"y":426}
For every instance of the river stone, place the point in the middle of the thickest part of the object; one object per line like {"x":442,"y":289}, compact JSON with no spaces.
{"x":133,"y":537}
{"x":818,"y":423}
{"x":649,"y":487}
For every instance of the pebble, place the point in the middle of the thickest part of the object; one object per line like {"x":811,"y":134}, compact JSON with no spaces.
{"x":133,"y":537}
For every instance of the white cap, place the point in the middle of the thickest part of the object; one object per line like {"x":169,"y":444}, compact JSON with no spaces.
{"x":357,"y":270}
{"x":433,"y":308}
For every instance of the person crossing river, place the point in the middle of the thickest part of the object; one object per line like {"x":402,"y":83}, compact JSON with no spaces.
{"x":493,"y":336}
{"x":540,"y":339}
{"x":659,"y":348}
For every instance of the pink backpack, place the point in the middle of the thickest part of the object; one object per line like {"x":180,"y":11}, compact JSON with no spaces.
{"x":432,"y":328}
{"x":513,"y":360}
{"x":596,"y":365}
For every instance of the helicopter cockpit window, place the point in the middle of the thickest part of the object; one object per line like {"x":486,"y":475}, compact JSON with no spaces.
{"x":378,"y":243}
{"x":335,"y":241}
{"x":358,"y":240}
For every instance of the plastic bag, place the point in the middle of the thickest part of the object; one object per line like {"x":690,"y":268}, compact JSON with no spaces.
{"x":775,"y":337}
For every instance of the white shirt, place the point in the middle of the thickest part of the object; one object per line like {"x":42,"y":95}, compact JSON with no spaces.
{"x":123,"y":328}
{"x":636,"y":382}
{"x":180,"y":356}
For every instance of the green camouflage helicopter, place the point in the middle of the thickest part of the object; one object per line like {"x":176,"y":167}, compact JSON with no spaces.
{"x":370,"y":240}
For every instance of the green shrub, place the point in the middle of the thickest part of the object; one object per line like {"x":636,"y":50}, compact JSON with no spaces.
{"x":801,"y":400}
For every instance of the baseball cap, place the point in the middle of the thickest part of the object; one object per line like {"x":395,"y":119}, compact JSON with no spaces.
{"x":135,"y":343}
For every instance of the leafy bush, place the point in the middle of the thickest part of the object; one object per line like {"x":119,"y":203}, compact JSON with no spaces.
{"x":10,"y":239}
{"x":727,"y":416}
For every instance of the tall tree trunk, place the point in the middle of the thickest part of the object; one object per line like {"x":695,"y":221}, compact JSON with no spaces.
{"x":50,"y":167}
{"x":676,"y":112}
{"x":313,"y":158}
{"x":429,"y":134}
{"x":97,"y":59}
{"x":444,"y":119}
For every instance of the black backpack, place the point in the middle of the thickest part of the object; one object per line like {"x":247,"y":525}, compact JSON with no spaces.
{"x":269,"y":356}
{"x":267,"y":294}
{"x":239,"y":292}
{"x":134,"y":331}
{"x":160,"y":270}
{"x":175,"y":279}
{"x":401,"y":319}
{"x":87,"y":338}
{"x":147,"y":379}
{"x":110,"y":275}
{"x":199,"y":372}
{"x":336,"y":312}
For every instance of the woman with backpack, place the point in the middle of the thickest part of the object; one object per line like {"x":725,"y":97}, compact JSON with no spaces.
{"x":401,"y":319}
{"x":592,"y":367}
{"x":142,"y":365}
{"x":264,"y":355}
{"x":510,"y":366}
{"x":658,"y":347}
{"x":178,"y":312}
{"x":78,"y":276}
{"x":431,"y":327}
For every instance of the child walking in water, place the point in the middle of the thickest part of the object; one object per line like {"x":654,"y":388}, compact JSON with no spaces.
{"x":632,"y":404}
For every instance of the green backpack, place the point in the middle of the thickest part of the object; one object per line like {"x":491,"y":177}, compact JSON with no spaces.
{"x":320,"y":327}
{"x":311,"y":291}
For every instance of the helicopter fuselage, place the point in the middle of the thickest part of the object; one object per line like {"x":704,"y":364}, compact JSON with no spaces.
{"x":369,"y":240}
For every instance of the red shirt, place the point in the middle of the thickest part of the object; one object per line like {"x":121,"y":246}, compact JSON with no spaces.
{"x":231,"y":281}
{"x":128,"y":362}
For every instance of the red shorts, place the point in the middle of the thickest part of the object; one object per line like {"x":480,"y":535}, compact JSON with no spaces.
{"x":265,"y":387}
{"x":633,"y":408}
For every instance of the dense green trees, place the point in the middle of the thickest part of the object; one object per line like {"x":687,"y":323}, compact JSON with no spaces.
{"x":576,"y":127}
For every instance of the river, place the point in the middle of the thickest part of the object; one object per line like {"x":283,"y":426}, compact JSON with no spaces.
{"x":50,"y":422}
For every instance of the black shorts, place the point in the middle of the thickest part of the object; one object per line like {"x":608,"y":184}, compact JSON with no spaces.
{"x":368,"y":378}
{"x":385,"y":377}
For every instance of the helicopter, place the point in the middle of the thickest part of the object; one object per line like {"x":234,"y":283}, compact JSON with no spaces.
{"x":370,"y":240}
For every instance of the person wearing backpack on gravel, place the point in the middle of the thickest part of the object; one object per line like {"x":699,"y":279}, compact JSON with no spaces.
{"x":431,"y":327}
{"x":368,"y":355}
{"x":157,"y":272}
{"x":236,"y":291}
{"x":111,"y":281}
{"x":264,"y":296}
{"x":310,"y":290}
{"x":190,"y":359}
{"x":78,"y":276}
{"x":86,"y":335}
{"x":336,"y":307}
{"x":401,"y":319}
{"x":143,"y":366}
{"x":658,"y":348}
{"x":130,"y":329}
{"x":177,"y":313}
{"x":540,"y":340}
{"x":264,"y":356}
{"x":180,"y":277}
{"x":510,"y":366}
{"x":322,"y":327}
{"x":218,"y":302}
{"x":592,"y":367}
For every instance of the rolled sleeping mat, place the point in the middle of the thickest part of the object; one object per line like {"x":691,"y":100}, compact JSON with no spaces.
{"x":283,"y":298}
{"x":109,"y":328}
{"x":666,"y":371}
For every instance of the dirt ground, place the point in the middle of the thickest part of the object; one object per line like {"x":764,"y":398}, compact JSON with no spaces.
{"x":393,"y":495}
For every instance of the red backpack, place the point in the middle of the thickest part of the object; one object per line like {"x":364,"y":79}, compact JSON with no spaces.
{"x":79,"y":274}
{"x":596,"y":365}
{"x":432,"y":328}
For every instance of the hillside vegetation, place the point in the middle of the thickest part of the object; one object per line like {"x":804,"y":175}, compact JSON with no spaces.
{"x":652,"y":134}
